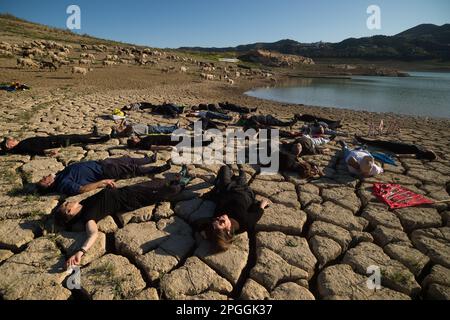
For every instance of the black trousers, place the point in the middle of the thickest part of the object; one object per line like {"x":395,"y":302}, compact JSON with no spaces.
{"x":399,"y":148}
{"x":332,"y":124}
{"x":208,"y":107}
{"x":170,"y":110}
{"x":71,"y":139}
{"x":126,"y":168}
{"x":272,"y":121}
{"x":226,"y":176}
{"x":235,"y":108}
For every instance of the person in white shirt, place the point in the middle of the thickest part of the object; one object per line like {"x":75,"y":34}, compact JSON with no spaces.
{"x":360,"y":162}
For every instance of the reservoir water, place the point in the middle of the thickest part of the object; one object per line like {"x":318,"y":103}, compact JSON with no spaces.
{"x":422,"y":94}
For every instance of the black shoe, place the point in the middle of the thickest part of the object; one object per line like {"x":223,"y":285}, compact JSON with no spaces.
{"x":95,"y":131}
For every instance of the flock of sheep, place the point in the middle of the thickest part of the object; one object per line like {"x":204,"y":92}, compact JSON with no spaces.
{"x":42,"y":54}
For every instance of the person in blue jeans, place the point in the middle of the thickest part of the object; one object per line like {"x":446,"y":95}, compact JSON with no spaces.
{"x":128,"y":129}
{"x":360,"y":162}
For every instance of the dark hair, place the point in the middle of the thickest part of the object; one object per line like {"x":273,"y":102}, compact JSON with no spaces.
{"x":60,"y":217}
{"x":131,"y":143}
{"x":221,"y":239}
{"x":42,"y":190}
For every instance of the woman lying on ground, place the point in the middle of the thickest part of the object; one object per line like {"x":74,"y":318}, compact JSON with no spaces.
{"x":360,"y":162}
{"x":166,"y":109}
{"x":128,"y":129}
{"x":399,"y":148}
{"x":115,"y":202}
{"x":40,"y":146}
{"x":210,"y":115}
{"x":332,"y":124}
{"x":263,"y":122}
{"x":236,"y":210}
{"x":157,"y":142}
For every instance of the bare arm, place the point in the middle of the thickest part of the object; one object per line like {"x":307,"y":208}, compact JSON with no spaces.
{"x":97,"y":185}
{"x":92,"y":234}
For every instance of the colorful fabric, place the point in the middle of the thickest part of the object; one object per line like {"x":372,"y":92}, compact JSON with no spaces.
{"x":385,"y":158}
{"x":397,"y":197}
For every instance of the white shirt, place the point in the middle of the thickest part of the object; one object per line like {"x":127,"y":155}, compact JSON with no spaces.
{"x":359,"y":155}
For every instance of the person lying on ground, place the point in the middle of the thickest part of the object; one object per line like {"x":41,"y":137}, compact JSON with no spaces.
{"x":320,"y":128}
{"x":209,"y":107}
{"x":113,"y":202}
{"x":305,"y":146}
{"x":235,"y":108}
{"x":128,"y":129}
{"x":209,"y":124}
{"x":91,"y":175}
{"x":399,"y":148}
{"x":140,"y":106}
{"x":332,"y":124}
{"x":305,"y":169}
{"x":166,"y":109}
{"x":236,"y":209}
{"x":360,"y":162}
{"x":156,"y":142}
{"x":263,"y":122}
{"x":40,"y":146}
{"x":210,"y":115}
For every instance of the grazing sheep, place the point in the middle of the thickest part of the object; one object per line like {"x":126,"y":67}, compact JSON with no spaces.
{"x":82,"y":71}
{"x":6,"y":53}
{"x":207,"y":76}
{"x":230,"y":81}
{"x":91,"y":56}
{"x":84,"y":47}
{"x":25,"y":62}
{"x":107,"y":63}
{"x":84,"y":55}
{"x":183,"y":69}
{"x":84,"y":62}
{"x":124,"y":61}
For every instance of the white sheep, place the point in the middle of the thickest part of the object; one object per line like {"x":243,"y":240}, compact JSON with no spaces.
{"x":82,"y":71}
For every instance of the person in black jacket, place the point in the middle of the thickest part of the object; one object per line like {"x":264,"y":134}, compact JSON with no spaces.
{"x":399,"y":148}
{"x":39,"y":146}
{"x":236,"y":211}
{"x":156,"y":142}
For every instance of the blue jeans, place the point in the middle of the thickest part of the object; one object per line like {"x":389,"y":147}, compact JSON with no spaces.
{"x":161,"y":129}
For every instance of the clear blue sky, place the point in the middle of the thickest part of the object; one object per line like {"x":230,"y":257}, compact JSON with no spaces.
{"x":175,"y":23}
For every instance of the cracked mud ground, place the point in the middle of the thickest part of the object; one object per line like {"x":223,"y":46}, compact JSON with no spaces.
{"x":314,"y":242}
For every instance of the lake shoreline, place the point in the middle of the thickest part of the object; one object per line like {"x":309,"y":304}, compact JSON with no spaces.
{"x":364,"y":93}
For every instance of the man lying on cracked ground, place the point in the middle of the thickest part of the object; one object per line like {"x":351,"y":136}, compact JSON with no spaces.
{"x":87,"y":176}
{"x":112,"y":201}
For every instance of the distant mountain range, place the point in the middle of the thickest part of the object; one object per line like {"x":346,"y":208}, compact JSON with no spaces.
{"x":426,"y":41}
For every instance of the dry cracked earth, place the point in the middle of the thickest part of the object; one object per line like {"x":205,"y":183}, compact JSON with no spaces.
{"x":315,"y":241}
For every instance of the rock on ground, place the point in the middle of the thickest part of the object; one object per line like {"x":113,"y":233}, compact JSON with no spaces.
{"x":111,"y":277}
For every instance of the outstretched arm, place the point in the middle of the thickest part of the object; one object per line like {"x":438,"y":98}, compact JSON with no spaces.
{"x":92,"y":234}
{"x":97,"y":185}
